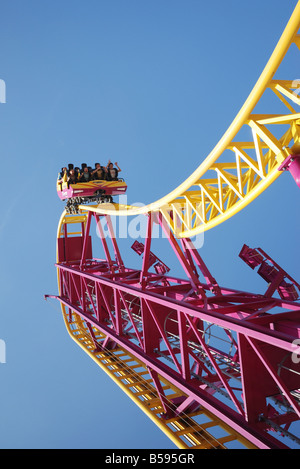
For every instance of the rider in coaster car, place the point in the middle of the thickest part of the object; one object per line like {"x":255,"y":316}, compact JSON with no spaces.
{"x":99,"y":173}
{"x":72,"y":179}
{"x":62,"y":175}
{"x":112,"y":173}
{"x":86,"y":175}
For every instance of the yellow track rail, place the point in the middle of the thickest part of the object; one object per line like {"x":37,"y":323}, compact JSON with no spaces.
{"x":235,"y":172}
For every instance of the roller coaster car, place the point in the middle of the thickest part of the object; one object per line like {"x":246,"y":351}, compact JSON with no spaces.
{"x":93,"y":191}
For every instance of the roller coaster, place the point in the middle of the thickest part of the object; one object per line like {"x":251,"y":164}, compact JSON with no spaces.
{"x":212,"y":367}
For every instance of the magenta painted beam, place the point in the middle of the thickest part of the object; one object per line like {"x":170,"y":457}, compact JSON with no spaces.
{"x":292,"y":164}
{"x":228,"y":350}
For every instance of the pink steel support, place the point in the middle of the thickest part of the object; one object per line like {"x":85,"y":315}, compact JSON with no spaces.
{"x":191,"y":252}
{"x":114,"y":242}
{"x":153,"y":260}
{"x":272,"y":273}
{"x":292,"y":164}
{"x":104,"y":243}
{"x":85,"y":241}
{"x":227,"y":350}
{"x":180,"y":256}
{"x":145,"y":266}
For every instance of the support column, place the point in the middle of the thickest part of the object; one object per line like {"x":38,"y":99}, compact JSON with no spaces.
{"x":292,"y":164}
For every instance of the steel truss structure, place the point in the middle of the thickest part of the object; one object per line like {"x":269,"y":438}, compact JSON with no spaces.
{"x":186,"y":350}
{"x":213,"y":367}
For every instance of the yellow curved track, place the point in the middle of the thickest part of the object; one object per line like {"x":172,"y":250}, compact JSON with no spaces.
{"x":236,"y":172}
{"x":230,"y":177}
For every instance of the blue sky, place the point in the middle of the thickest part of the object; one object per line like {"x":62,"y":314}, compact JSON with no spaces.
{"x":153,"y":86}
